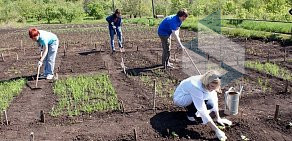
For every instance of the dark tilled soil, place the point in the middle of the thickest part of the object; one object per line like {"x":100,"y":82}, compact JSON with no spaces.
{"x":168,"y":122}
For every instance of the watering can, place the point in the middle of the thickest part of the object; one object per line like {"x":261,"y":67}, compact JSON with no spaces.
{"x":231,"y":99}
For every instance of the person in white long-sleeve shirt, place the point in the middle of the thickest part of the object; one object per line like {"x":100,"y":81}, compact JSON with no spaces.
{"x":198,"y":95}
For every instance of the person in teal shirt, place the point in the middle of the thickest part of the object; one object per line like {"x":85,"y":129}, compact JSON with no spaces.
{"x":170,"y":25}
{"x":48,"y":43}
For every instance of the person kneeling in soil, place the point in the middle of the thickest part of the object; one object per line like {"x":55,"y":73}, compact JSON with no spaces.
{"x":170,"y":26}
{"x":114,"y":25}
{"x":198,"y":95}
{"x":48,"y":44}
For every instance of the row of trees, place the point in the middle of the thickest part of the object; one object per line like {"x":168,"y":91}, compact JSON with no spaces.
{"x":65,"y":11}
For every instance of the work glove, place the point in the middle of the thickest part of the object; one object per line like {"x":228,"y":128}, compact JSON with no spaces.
{"x":224,"y":121}
{"x":40,"y":63}
{"x":114,"y":27}
{"x":220,"y":135}
{"x":183,"y":47}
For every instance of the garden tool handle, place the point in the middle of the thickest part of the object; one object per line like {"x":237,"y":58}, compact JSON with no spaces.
{"x":241,"y":88}
{"x":226,"y":100}
{"x":230,"y":89}
{"x":192,"y":61}
{"x":37,"y":79}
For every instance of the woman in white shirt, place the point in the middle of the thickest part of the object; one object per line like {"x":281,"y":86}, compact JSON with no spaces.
{"x":198,"y":94}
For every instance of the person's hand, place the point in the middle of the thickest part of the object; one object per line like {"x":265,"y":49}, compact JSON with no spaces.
{"x":224,"y":121}
{"x":183,"y":47}
{"x":40,"y":63}
{"x":220,"y":135}
{"x":114,"y":27}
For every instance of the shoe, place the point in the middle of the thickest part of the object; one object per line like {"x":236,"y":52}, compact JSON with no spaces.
{"x":42,"y":76}
{"x":170,"y":65}
{"x":122,"y":49}
{"x":191,"y":118}
{"x":50,"y":76}
{"x":113,"y":51}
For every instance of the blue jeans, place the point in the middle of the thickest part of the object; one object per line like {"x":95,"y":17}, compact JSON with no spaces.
{"x":112,"y":33}
{"x":191,"y":109}
{"x":49,"y":62}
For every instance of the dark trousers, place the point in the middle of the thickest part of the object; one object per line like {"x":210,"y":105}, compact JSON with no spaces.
{"x":165,"y":42}
{"x":191,"y":109}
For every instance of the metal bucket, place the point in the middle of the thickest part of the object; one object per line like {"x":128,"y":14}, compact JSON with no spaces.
{"x":232,"y":101}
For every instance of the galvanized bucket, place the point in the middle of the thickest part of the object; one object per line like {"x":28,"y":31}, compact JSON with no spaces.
{"x":232,"y":101}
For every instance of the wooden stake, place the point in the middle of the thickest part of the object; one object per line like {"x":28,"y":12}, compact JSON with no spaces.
{"x":21,"y":44}
{"x":122,"y":106}
{"x":64,"y":49}
{"x":268,"y":58}
{"x":154,"y":96}
{"x":17,"y":57}
{"x":286,"y":87}
{"x":157,"y":57}
{"x":135,"y":134}
{"x":6,"y":118}
{"x":2,"y":56}
{"x":31,"y":136}
{"x":42,"y":116}
{"x":23,"y":50}
{"x":285,"y":52}
{"x":276,"y":112}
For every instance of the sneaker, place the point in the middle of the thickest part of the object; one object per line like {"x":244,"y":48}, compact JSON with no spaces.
{"x":42,"y":76}
{"x":170,"y":65}
{"x":122,"y":49}
{"x":50,"y":76}
{"x":191,"y":118}
{"x":113,"y":51}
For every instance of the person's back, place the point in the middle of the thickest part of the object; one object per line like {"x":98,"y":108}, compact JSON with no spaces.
{"x":47,"y":37}
{"x":168,"y":24}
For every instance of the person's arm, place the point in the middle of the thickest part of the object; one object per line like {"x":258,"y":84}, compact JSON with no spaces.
{"x":202,"y":109}
{"x":175,"y":33}
{"x":44,"y":53}
{"x":109,"y":19}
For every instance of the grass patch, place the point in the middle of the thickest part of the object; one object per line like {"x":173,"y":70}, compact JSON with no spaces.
{"x":277,"y":27}
{"x":164,"y":86}
{"x":191,"y":23}
{"x":84,"y":94}
{"x":240,"y":32}
{"x":269,"y":68}
{"x":8,"y":90}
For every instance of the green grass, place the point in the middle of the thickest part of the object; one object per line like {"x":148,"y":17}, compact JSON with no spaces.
{"x":277,"y":27}
{"x":263,"y":83}
{"x":269,"y":68}
{"x":143,"y":21}
{"x":246,"y":29}
{"x":164,"y":86}
{"x":84,"y":94}
{"x":8,"y":90}
{"x":240,"y":32}
{"x":43,"y":22}
{"x":190,"y":23}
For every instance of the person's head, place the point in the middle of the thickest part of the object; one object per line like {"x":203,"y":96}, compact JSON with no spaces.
{"x":33,"y":34}
{"x":211,"y":80}
{"x":182,"y":14}
{"x":117,"y":13}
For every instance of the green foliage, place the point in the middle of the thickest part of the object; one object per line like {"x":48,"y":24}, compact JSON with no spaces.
{"x":69,"y":12}
{"x":271,"y":69}
{"x":277,"y":27}
{"x":8,"y":90}
{"x":97,"y":9}
{"x":84,"y":94}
